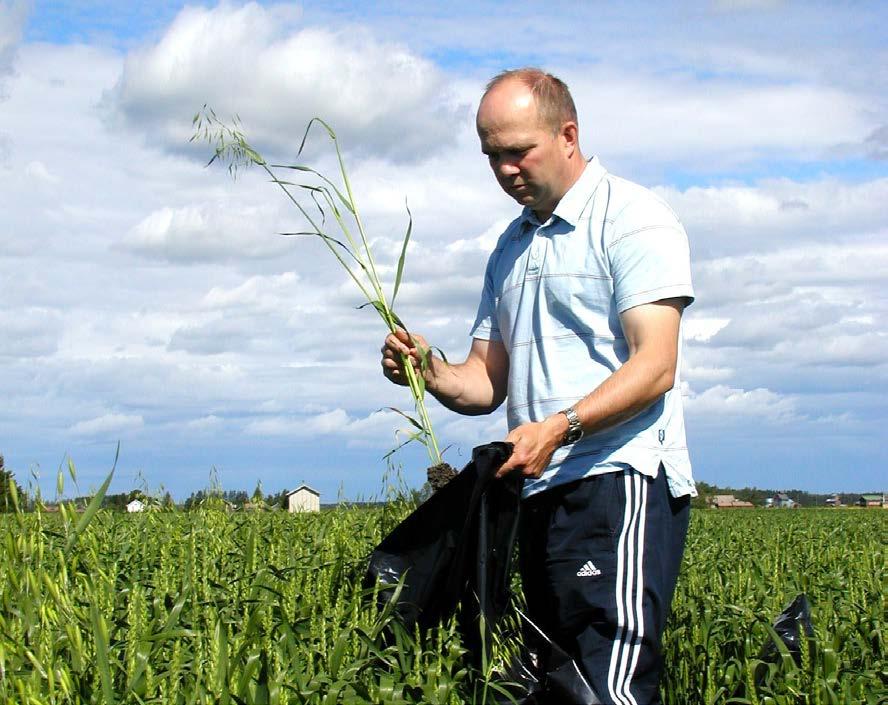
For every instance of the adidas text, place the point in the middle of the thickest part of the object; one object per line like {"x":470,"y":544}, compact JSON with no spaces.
{"x":588,"y":570}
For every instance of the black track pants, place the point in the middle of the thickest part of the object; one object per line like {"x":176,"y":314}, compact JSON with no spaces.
{"x":599,"y":559}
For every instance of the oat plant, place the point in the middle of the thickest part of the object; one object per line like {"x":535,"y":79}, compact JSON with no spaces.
{"x":316,"y":198}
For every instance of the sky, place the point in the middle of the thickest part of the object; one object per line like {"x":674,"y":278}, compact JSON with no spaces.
{"x":150,"y":302}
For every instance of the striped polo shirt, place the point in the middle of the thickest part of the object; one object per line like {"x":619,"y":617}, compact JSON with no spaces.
{"x":553,"y":293}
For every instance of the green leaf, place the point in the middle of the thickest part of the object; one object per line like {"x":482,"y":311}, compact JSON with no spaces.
{"x":308,"y":127}
{"x":441,"y":353}
{"x":100,"y":632}
{"x":380,"y":307}
{"x":403,"y":256}
{"x":93,"y":506}
{"x":418,"y":436}
{"x":413,"y":421}
{"x":298,"y":167}
{"x":221,"y":676}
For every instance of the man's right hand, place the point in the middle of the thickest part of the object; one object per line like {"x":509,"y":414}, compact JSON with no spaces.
{"x":398,"y":344}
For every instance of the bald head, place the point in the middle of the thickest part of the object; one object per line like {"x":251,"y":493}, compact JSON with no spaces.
{"x":508,"y":104}
{"x":554,"y":103}
{"x":534,"y":154}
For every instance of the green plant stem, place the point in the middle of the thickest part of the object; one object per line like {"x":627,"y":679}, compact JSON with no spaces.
{"x":417,"y":388}
{"x":419,"y":396}
{"x":231,"y":146}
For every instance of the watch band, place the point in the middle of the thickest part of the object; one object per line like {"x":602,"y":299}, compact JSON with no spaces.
{"x":574,"y":427}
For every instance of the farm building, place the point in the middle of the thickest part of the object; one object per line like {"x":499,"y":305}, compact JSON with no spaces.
{"x":728,"y":501}
{"x":303,"y":499}
{"x":871,"y":500}
{"x":834,"y":501}
{"x":782,"y":500}
{"x":135,"y":506}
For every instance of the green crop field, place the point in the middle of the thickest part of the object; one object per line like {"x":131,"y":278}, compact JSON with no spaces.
{"x":212,"y":607}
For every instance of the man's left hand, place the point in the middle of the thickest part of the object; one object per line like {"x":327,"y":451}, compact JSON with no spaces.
{"x":534,"y":445}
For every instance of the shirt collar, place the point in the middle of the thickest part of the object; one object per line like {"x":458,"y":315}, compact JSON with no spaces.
{"x":573,"y":203}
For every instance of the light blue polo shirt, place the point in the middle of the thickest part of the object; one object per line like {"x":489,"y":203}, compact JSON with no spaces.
{"x":553,"y":293}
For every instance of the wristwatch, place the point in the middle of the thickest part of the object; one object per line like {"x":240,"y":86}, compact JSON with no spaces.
{"x":574,"y":428}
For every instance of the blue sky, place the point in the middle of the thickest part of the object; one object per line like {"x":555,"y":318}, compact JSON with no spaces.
{"x":149,"y":301}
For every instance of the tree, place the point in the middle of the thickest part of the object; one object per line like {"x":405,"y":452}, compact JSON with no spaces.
{"x":195,"y":499}
{"x":7,"y":481}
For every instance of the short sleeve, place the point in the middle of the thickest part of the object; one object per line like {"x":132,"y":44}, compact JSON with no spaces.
{"x":486,"y":326}
{"x":649,"y":255}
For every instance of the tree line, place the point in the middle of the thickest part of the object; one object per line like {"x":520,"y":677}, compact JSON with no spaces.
{"x":238,"y":499}
{"x":758,"y":496}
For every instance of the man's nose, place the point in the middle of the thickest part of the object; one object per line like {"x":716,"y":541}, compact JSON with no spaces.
{"x":506,"y":167}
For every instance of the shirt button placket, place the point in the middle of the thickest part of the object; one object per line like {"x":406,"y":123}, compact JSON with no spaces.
{"x":536,"y":244}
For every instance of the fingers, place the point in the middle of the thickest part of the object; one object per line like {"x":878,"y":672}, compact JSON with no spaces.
{"x":517,"y":459}
{"x":529,"y":454}
{"x":394,"y":344}
{"x":396,"y":347}
{"x":401,"y":342}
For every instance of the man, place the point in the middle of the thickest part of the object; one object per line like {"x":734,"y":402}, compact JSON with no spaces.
{"x":578,"y":330}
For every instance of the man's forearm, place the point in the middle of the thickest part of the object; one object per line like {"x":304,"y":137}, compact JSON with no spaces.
{"x":465,"y":388}
{"x":652,"y":332}
{"x":626,"y":393}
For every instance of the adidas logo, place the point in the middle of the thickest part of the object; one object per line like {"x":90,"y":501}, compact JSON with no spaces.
{"x":588,"y":570}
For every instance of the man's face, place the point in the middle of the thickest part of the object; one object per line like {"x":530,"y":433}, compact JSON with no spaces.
{"x":528,"y":160}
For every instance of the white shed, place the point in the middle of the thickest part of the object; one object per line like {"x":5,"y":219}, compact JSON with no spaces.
{"x":303,"y":499}
{"x":135,"y":506}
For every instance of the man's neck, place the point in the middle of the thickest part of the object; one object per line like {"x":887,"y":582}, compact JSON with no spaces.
{"x":575,"y":171}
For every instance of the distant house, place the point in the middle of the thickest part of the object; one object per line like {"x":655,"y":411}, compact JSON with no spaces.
{"x":135,"y":506}
{"x":303,"y":499}
{"x":834,"y":501}
{"x":728,"y":501}
{"x":782,"y":500}
{"x":871,"y":500}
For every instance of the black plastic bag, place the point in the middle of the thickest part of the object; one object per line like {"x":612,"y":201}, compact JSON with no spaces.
{"x":792,"y":625}
{"x":455,"y":551}
{"x":438,"y":552}
{"x":544,"y":674}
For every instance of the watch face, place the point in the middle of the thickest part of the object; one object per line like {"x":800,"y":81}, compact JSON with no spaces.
{"x":573,"y":435}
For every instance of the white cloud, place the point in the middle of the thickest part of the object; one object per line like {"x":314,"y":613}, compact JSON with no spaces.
{"x":207,"y":233}
{"x":775,"y":213}
{"x":108,"y":425}
{"x":866,"y":349}
{"x":705,"y":375}
{"x":29,"y":332}
{"x":876,"y":144}
{"x":204,"y":424}
{"x":258,"y":293}
{"x":140,"y":282}
{"x":714,"y":124}
{"x":38,"y":171}
{"x":702,"y":329}
{"x":722,"y":402}
{"x":377,"y":428}
{"x":12,"y":18}
{"x":257,"y":62}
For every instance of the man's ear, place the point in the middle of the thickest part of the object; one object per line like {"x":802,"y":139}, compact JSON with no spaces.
{"x":570,"y":137}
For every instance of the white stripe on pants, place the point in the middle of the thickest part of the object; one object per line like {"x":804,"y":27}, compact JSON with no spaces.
{"x":629,"y":591}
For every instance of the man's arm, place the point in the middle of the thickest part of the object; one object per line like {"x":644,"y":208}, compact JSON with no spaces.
{"x":476,"y":386}
{"x":651,"y":331}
